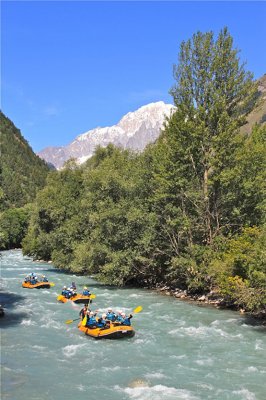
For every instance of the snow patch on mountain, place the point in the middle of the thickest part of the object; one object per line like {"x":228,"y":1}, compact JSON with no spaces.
{"x":134,"y":131}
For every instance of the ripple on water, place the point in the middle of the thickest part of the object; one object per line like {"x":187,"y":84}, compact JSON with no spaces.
{"x":157,"y":392}
{"x":72,"y":349}
{"x":205,"y":362}
{"x":28,"y":322}
{"x":51,"y":324}
{"x":203,"y":332}
{"x":244,"y":394}
{"x":155,"y":375}
{"x":259,"y":345}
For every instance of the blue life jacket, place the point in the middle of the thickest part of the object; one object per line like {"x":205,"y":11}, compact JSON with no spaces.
{"x":127,"y":321}
{"x":119,"y":318}
{"x":111,"y":316}
{"x":101,"y":323}
{"x":86,"y":293}
{"x":91,"y":322}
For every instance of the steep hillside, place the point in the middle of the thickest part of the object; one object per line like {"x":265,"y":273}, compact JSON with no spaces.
{"x":134,"y":131}
{"x":22,"y":173}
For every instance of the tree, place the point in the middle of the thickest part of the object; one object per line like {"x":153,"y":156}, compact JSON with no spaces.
{"x":213,"y":95}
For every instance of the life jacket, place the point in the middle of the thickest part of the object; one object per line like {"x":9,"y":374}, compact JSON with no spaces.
{"x":127,"y":321}
{"x":111,"y":316}
{"x":91,"y":322}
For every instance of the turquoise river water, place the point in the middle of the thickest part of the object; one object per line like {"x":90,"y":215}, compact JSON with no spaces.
{"x":180,"y":350}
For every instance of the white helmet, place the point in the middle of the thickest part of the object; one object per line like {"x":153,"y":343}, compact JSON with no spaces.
{"x":119,"y":312}
{"x":64,"y":287}
{"x":91,"y":313}
{"x":85,"y":287}
{"x":123,"y":314}
{"x":104,"y":315}
{"x":109,"y":309}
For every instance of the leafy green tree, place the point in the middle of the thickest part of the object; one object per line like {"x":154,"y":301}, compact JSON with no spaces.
{"x":13,"y":226}
{"x":22,"y":173}
{"x":213,"y":95}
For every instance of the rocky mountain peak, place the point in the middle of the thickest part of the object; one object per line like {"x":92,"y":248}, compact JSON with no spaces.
{"x":134,"y":131}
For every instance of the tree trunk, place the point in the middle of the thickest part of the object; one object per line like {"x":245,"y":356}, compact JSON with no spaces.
{"x":207,"y":207}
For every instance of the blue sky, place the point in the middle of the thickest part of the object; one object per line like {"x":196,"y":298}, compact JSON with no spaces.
{"x":68,"y":67}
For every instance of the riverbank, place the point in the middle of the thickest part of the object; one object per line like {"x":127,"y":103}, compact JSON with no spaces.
{"x":213,"y":299}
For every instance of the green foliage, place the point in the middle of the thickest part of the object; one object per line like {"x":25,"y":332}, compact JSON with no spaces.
{"x":22,"y":173}
{"x":238,"y":268}
{"x":187,"y":212}
{"x":13,"y":227}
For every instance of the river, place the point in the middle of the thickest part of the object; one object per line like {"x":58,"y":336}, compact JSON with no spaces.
{"x":180,"y":350}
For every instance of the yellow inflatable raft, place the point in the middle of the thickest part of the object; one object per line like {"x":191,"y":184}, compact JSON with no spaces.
{"x":38,"y":285}
{"x":114,"y":332}
{"x":78,"y":298}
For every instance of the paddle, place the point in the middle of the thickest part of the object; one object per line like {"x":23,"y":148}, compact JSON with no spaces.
{"x":84,"y":321}
{"x":137,"y":310}
{"x":69,"y":321}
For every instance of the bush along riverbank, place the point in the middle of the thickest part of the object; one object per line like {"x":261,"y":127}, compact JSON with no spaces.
{"x":213,"y":299}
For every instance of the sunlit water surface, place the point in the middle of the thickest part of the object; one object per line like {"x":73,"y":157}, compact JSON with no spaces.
{"x":180,"y":350}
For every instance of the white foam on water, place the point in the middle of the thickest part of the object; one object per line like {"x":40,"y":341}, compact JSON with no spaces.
{"x":8,"y":279}
{"x":215,"y":322}
{"x":259,"y":345}
{"x":204,"y":386}
{"x":205,"y":362}
{"x":28,"y":322}
{"x":202,"y":332}
{"x":245,"y":394}
{"x":39,"y":348}
{"x":81,"y":388}
{"x":158,"y":392}
{"x":155,"y":375}
{"x":135,"y":296}
{"x":45,"y":291}
{"x":72,"y":349}
{"x":116,"y":368}
{"x":18,"y":268}
{"x":108,"y":294}
{"x":229,"y":320}
{"x":155,"y":305}
{"x":52,"y":324}
{"x":252,"y":369}
{"x":143,"y":341}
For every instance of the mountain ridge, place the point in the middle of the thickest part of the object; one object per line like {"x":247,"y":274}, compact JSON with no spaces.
{"x":135,"y":130}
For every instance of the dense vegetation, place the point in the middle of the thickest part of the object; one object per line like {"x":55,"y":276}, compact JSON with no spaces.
{"x":187,"y":212}
{"x":22,"y":174}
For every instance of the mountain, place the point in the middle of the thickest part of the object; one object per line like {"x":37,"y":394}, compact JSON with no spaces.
{"x":134,"y":131}
{"x":22,"y":172}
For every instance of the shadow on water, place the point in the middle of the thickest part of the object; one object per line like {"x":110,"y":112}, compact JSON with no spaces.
{"x":258,"y":323}
{"x":8,"y":301}
{"x":11,"y":319}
